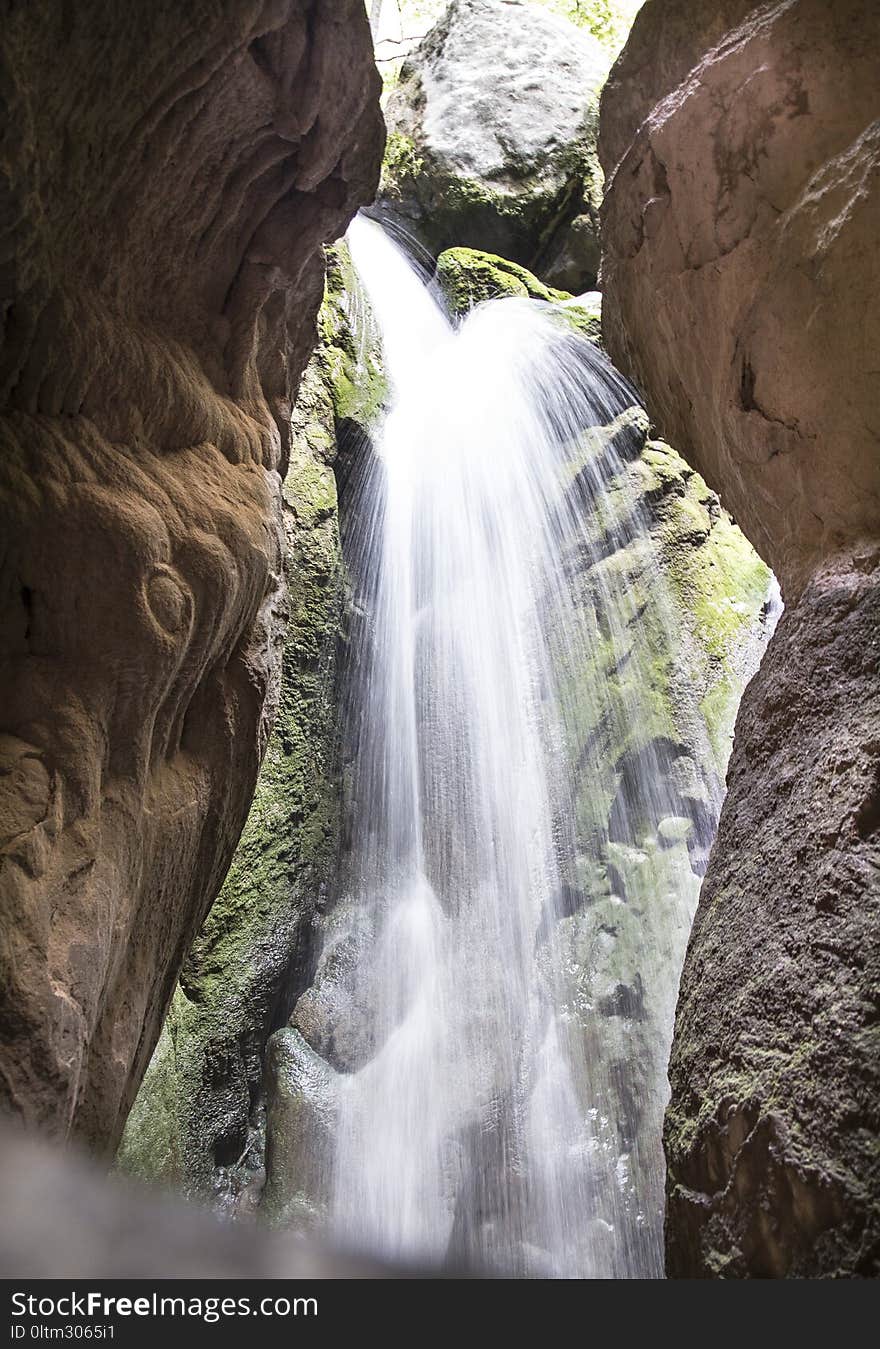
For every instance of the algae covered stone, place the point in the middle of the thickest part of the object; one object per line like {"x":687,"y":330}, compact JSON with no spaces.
{"x":348,"y":355}
{"x":469,"y":276}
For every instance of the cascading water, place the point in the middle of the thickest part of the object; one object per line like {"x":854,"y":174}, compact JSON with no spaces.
{"x":479,"y":1115}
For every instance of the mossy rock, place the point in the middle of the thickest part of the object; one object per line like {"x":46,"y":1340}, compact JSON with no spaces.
{"x":468,"y":277}
{"x":671,"y":598}
{"x":522,"y":177}
{"x":351,"y":366}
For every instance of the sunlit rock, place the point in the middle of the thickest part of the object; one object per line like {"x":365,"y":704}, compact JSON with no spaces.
{"x":508,"y":163}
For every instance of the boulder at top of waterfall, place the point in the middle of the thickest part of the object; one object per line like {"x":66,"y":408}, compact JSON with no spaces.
{"x":467,"y":277}
{"x":507,"y":164}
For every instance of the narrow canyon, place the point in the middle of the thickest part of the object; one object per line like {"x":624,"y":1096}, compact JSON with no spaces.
{"x":440,"y":683}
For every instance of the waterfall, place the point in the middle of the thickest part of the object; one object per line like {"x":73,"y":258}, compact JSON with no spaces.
{"x":500,"y":1079}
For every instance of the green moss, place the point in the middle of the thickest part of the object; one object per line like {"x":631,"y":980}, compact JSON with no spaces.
{"x":351,"y":369}
{"x":401,"y":162}
{"x":468,"y":276}
{"x":726,"y":589}
{"x":151,"y":1145}
{"x":609,"y":21}
{"x":588,"y":322}
{"x":460,"y":194}
{"x":617,"y":699}
{"x":718,"y":583}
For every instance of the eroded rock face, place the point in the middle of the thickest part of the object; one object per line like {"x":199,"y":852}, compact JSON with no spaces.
{"x":771,"y":1136}
{"x":741,"y":278}
{"x":741,"y":268}
{"x":198,"y":1118}
{"x":492,"y":139}
{"x":161,"y":279}
{"x":194,"y":1115}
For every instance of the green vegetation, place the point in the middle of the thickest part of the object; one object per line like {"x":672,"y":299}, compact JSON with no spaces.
{"x":401,"y":160}
{"x":468,"y":276}
{"x":350,"y":366}
{"x":718,"y":583}
{"x":608,"y":20}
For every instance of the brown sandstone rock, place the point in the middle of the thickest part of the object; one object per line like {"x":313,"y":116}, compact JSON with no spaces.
{"x":741,"y":281}
{"x":168,"y":179}
{"x":741,"y":270}
{"x":664,"y":44}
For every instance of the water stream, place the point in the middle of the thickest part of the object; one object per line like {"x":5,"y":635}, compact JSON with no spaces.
{"x":500,"y":1070}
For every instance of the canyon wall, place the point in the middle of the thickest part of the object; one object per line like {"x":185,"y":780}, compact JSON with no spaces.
{"x":741,"y":278}
{"x":169,"y":177}
{"x":228,"y":1111}
{"x":198,"y":1120}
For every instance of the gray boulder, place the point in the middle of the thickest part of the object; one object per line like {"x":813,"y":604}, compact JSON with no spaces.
{"x":506,"y":164}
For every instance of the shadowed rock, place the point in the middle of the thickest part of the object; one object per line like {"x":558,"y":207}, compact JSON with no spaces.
{"x":169,"y":179}
{"x":741,"y":274}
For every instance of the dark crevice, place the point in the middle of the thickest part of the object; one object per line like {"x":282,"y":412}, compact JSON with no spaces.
{"x":27,"y":599}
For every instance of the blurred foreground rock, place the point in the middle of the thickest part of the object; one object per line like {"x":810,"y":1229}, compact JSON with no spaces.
{"x":62,"y":1218}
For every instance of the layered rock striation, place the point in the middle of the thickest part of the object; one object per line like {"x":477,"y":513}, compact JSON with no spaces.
{"x":168,"y":181}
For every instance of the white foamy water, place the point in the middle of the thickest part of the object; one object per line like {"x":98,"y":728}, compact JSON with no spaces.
{"x":486,"y":1065}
